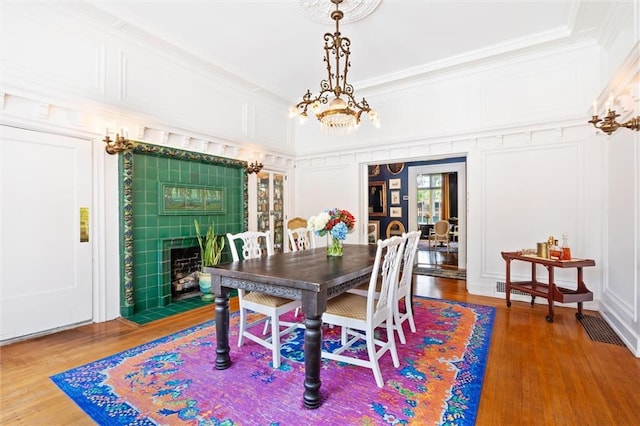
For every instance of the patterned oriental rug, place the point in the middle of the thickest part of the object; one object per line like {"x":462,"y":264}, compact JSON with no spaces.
{"x":173,"y":380}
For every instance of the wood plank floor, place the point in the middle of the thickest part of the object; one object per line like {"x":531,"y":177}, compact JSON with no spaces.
{"x":537,"y":374}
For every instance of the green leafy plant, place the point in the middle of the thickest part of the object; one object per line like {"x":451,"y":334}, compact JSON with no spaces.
{"x":211,"y":245}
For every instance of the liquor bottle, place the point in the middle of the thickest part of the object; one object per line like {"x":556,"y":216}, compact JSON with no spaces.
{"x":554,"y":251}
{"x":566,"y":251}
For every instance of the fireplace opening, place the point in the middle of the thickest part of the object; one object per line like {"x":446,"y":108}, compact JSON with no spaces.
{"x":185,"y":264}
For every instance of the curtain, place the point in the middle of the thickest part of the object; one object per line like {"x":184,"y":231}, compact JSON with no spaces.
{"x":445,"y":197}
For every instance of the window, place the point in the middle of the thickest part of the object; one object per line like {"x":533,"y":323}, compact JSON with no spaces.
{"x":429,"y":197}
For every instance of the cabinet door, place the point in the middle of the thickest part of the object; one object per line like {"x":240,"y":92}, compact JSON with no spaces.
{"x":278,"y":211}
{"x":264,"y":201}
{"x":270,"y":206}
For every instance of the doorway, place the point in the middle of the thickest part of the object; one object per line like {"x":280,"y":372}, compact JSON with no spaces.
{"x":438,"y":192}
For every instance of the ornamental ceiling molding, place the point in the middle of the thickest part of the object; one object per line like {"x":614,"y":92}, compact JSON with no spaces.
{"x":320,"y":10}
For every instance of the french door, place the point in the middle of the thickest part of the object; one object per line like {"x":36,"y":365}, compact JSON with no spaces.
{"x":426,"y":192}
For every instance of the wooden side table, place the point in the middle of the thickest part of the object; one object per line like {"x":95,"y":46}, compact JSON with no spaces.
{"x":550,"y":291}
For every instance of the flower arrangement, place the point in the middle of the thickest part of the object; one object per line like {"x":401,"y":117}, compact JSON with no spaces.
{"x":334,"y":223}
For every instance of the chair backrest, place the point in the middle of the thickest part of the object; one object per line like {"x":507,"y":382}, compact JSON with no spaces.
{"x":301,"y":239}
{"x":386,"y":267}
{"x":441,"y":228}
{"x":410,"y":248}
{"x":297,"y":222}
{"x":252,"y":244}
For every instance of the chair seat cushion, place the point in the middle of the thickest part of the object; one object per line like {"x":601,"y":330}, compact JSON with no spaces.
{"x":348,"y":305}
{"x":266,"y":299}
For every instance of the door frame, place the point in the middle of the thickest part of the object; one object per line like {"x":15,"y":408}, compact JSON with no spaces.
{"x":461,"y":169}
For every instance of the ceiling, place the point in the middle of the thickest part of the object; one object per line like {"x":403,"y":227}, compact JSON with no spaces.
{"x":273,"y":46}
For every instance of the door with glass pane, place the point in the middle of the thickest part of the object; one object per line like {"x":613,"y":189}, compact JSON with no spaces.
{"x":436,"y":192}
{"x":270,"y":209}
{"x":429,"y":198}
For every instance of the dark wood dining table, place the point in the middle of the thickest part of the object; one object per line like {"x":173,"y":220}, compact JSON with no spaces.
{"x":310,"y":276}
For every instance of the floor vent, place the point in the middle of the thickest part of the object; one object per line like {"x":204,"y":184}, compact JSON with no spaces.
{"x":501,"y":288}
{"x":599,"y":331}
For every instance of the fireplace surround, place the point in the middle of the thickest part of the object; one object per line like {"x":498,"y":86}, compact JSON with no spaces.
{"x":147,"y":231}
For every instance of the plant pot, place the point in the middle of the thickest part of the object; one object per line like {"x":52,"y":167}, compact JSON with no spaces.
{"x":205,"y":286}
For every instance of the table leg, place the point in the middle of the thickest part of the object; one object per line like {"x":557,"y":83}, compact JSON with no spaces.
{"x":581,"y":287}
{"x":508,"y":283}
{"x":312,"y":360}
{"x":534,"y":281}
{"x":551,"y":291}
{"x":223,"y":361}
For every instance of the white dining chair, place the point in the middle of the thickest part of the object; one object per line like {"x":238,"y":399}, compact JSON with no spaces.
{"x":254,"y":244}
{"x":403,"y":293}
{"x":403,"y":283}
{"x":359,"y":316}
{"x":301,"y":239}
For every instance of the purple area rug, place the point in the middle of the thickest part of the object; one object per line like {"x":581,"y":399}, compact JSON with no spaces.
{"x":173,"y":380}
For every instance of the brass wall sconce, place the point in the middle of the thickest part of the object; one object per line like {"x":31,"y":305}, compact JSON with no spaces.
{"x":608,"y":124}
{"x":254,"y":167}
{"x":119,"y":144}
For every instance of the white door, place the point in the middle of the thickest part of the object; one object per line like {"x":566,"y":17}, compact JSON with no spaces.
{"x":45,"y":259}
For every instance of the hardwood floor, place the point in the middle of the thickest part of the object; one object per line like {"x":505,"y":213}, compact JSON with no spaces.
{"x":537,"y":373}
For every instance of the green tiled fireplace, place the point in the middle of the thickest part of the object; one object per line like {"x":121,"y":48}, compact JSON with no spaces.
{"x":151,"y":226}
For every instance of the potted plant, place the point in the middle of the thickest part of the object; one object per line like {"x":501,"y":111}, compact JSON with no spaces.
{"x":211,"y":246}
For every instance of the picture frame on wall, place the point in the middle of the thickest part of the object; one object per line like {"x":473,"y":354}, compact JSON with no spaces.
{"x":395,"y":168}
{"x":374,"y":170}
{"x":395,"y":197}
{"x":377,"y":198}
{"x":395,"y":228}
{"x":395,"y":212}
{"x":373,"y":233}
{"x":395,"y":183}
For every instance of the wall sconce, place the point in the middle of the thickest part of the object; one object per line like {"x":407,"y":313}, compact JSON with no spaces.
{"x":119,"y":144}
{"x":254,"y":167}
{"x":609,"y":124}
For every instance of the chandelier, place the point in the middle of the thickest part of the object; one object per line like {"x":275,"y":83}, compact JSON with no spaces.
{"x":341,"y":112}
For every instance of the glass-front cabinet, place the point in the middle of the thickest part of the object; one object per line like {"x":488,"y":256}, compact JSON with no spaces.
{"x":270,"y":206}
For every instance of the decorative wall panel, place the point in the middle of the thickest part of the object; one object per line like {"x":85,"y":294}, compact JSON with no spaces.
{"x":50,"y":52}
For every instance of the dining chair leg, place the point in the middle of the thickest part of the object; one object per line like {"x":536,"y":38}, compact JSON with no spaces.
{"x":243,"y":326}
{"x":275,"y":342}
{"x":397,"y":324}
{"x":373,"y":358}
{"x":409,"y":314}
{"x":391,"y":341}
